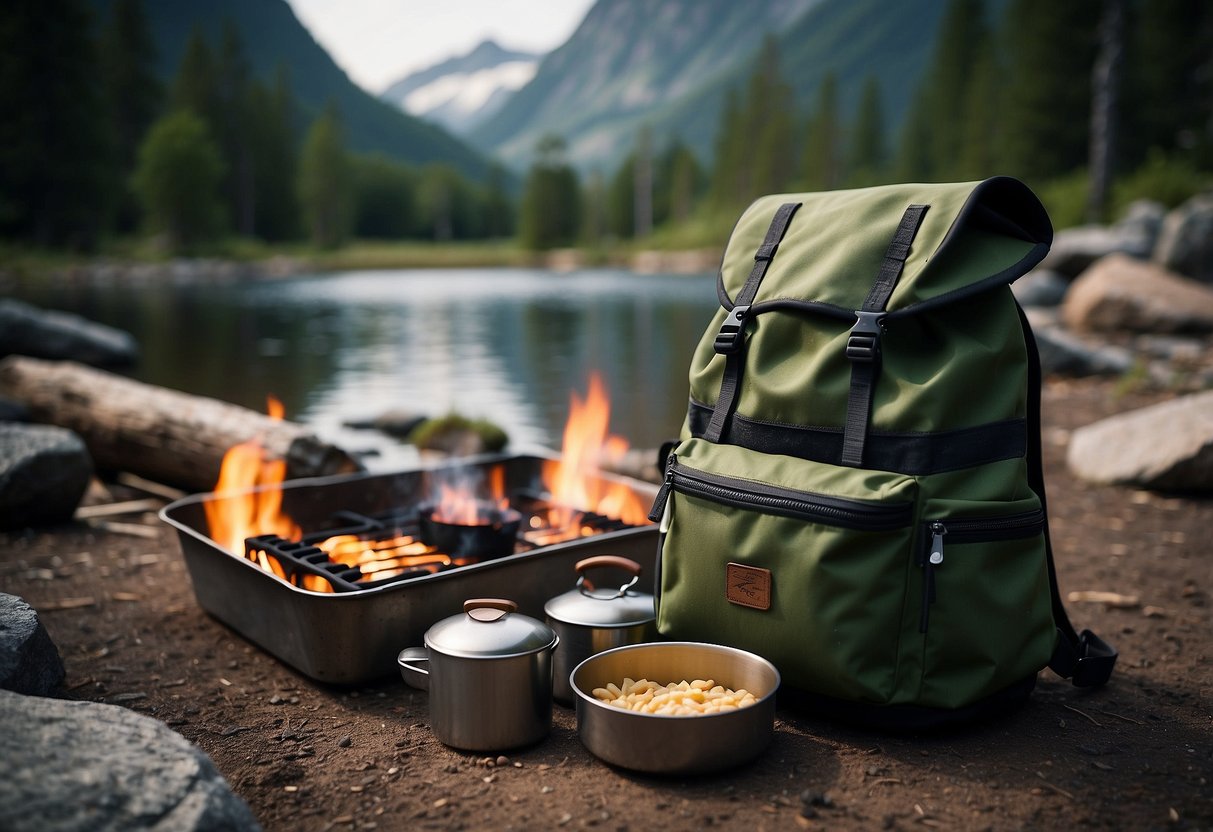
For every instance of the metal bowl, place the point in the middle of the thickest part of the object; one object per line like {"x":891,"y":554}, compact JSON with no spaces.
{"x":676,"y":744}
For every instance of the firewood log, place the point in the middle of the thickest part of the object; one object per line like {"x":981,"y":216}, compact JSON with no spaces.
{"x":164,"y":435}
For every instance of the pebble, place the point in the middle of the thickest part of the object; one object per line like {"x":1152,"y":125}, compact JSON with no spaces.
{"x":503,"y":760}
{"x":345,"y":742}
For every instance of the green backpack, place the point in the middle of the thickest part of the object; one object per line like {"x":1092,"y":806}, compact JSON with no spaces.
{"x":857,"y":494}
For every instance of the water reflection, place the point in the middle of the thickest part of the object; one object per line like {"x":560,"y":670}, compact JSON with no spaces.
{"x":508,"y":345}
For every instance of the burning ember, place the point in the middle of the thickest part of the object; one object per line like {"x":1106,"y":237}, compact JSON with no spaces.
{"x":468,"y":518}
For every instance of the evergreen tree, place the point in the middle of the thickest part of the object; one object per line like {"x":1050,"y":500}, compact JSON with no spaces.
{"x":498,"y":206}
{"x":769,"y":115}
{"x":963,"y":37}
{"x":55,"y":185}
{"x":980,"y":136}
{"x":195,"y":87}
{"x":551,"y":199}
{"x":730,"y":174}
{"x":437,"y":198}
{"x":823,"y":162}
{"x":133,"y":94}
{"x":271,"y":130}
{"x":231,"y":128}
{"x":621,"y":200}
{"x":1169,"y":80}
{"x":178,"y":178}
{"x":915,"y":160}
{"x":677,"y":184}
{"x":867,"y":161}
{"x":384,"y":198}
{"x":325,"y":187}
{"x":1047,"y":97}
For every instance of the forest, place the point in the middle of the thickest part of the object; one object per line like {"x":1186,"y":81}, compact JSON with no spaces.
{"x":1093,"y":103}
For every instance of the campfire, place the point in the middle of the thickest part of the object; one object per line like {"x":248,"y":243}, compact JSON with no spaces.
{"x":467,"y":515}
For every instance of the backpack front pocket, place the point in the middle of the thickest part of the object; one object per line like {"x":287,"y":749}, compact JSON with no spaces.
{"x":985,"y":616}
{"x":801,"y":563}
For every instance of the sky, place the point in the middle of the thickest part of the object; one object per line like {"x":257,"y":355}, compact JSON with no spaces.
{"x":377,"y":42}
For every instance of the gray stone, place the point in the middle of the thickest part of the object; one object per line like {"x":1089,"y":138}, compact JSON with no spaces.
{"x":1064,"y":353}
{"x":75,"y":766}
{"x":29,"y":661}
{"x":1041,"y":287}
{"x":60,"y":336}
{"x":1185,"y":244}
{"x":1120,"y":293}
{"x":44,"y":471}
{"x":1167,"y":446}
{"x":1074,"y":249}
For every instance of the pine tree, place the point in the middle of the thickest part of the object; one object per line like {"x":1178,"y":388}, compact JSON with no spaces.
{"x":195,"y":87}
{"x":325,"y":186}
{"x":982,"y":122}
{"x":823,"y":163}
{"x":730,"y":176}
{"x":551,"y":200}
{"x":621,"y":200}
{"x":868,"y":158}
{"x":963,"y":37}
{"x":1047,"y":99}
{"x":770,"y":118}
{"x":178,"y":178}
{"x":133,"y":94}
{"x":498,"y":206}
{"x":677,"y":184}
{"x":271,"y":131}
{"x":231,"y":128}
{"x":56,"y":188}
{"x":385,"y":198}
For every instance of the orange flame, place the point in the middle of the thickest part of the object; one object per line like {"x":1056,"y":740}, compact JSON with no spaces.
{"x":238,"y":513}
{"x":588,"y":447}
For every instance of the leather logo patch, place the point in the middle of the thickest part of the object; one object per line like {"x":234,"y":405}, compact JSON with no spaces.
{"x":748,"y":586}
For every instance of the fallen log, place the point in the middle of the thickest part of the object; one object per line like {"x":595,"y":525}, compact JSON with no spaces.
{"x":164,"y":435}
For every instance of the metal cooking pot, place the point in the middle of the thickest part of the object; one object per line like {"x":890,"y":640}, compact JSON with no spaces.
{"x":589,"y":620}
{"x":489,"y":676}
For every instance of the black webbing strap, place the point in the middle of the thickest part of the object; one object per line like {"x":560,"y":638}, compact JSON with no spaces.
{"x":730,"y":340}
{"x":1084,"y":658}
{"x":863,"y":343}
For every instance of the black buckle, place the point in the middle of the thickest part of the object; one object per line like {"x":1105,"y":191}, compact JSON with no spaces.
{"x":766,"y":251}
{"x":863,"y":344}
{"x":732,"y":331}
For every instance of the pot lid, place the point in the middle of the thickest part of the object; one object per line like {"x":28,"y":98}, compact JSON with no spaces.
{"x":487,"y":628}
{"x":591,"y":606}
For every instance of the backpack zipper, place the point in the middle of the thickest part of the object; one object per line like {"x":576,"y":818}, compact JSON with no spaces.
{"x":773,"y":499}
{"x":974,"y":530}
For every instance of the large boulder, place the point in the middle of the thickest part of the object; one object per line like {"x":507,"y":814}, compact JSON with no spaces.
{"x":1185,"y":244}
{"x":29,"y":661}
{"x":1041,"y":288}
{"x":76,"y":766}
{"x":1136,"y":234}
{"x":41,"y":333}
{"x":1166,"y":446}
{"x":44,"y":471}
{"x":1120,"y":293}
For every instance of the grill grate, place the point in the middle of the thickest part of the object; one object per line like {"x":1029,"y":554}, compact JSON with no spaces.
{"x":360,"y":551}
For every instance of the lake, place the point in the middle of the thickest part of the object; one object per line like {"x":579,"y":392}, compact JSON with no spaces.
{"x":508,"y":345}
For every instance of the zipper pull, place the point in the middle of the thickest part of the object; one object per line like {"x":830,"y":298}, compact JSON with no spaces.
{"x":934,"y":558}
{"x":657,"y":513}
{"x":938,"y":530}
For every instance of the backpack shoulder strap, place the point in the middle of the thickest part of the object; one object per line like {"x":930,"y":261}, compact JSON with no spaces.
{"x":1084,"y":658}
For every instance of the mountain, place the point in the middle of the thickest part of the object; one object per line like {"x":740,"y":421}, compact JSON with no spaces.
{"x":667,"y":65}
{"x":273,"y":36}
{"x":627,"y":62}
{"x":460,"y":93}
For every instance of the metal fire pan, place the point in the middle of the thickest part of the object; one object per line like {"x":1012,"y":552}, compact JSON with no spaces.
{"x":353,"y":637}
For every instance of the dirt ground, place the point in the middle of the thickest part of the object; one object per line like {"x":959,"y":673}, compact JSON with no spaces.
{"x":1137,"y":754}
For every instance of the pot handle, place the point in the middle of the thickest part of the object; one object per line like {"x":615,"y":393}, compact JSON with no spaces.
{"x":417,"y":677}
{"x":503,"y":606}
{"x":619,"y":562}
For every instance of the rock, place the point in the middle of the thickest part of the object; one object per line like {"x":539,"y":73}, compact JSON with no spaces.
{"x":1185,"y":244}
{"x":455,"y":435}
{"x":1167,"y":446}
{"x":392,"y":422}
{"x":29,"y":661}
{"x":43,"y":473}
{"x":1074,"y":249}
{"x":1064,"y":353}
{"x":1041,"y":287}
{"x":83,"y":765}
{"x":1119,"y":293}
{"x":12,"y":410}
{"x":28,"y":330}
